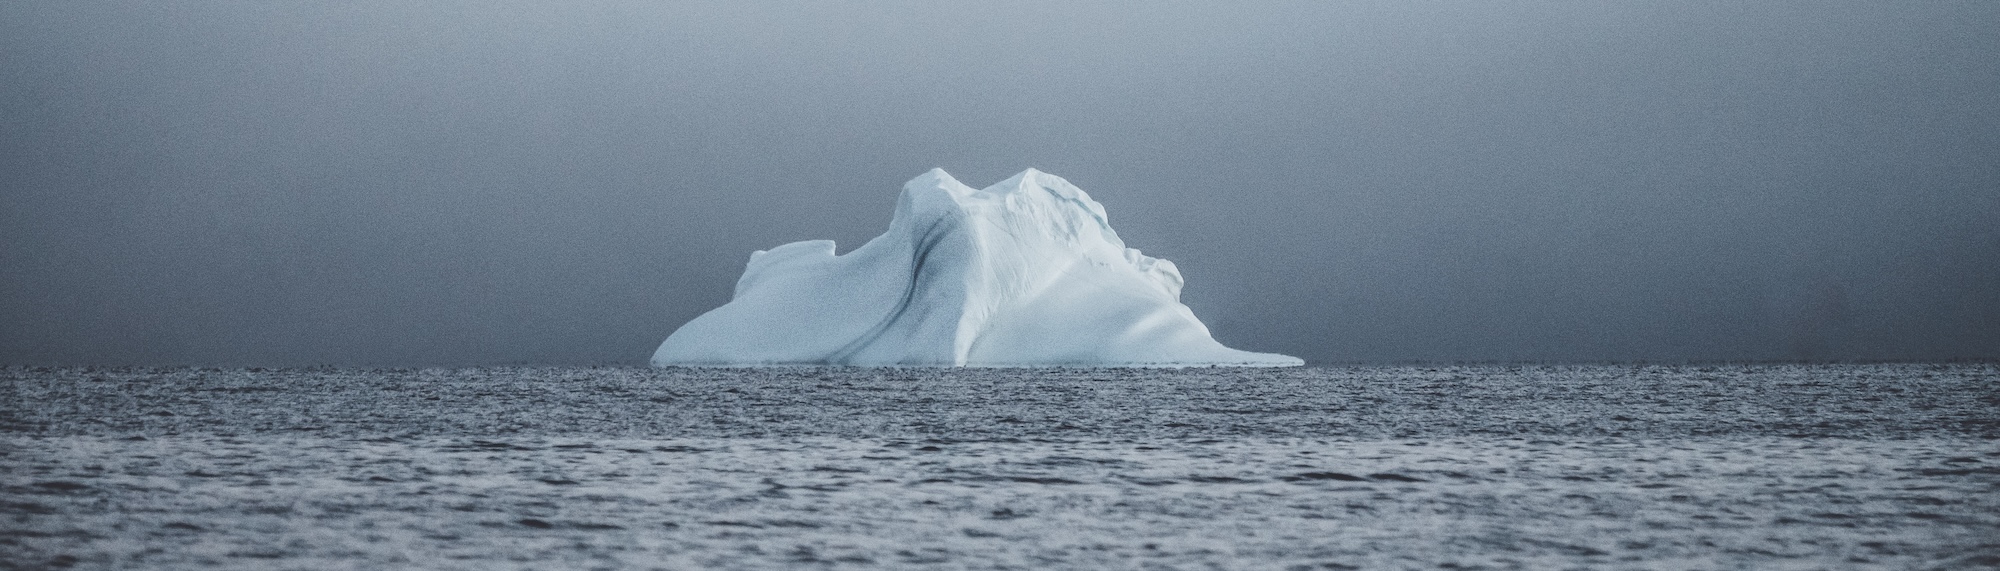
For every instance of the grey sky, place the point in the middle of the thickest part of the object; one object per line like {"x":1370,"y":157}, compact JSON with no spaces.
{"x":478,"y":182}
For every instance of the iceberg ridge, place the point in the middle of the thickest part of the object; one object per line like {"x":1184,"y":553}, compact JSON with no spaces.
{"x":1026,"y":272}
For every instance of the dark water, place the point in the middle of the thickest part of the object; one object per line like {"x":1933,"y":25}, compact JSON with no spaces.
{"x":1839,"y":466}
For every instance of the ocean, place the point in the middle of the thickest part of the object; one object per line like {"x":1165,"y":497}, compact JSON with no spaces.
{"x":1840,"y":466}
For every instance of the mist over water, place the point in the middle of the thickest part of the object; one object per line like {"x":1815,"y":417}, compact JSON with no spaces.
{"x":383,"y":183}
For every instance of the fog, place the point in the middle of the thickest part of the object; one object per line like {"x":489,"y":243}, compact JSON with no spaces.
{"x":364,"y":183}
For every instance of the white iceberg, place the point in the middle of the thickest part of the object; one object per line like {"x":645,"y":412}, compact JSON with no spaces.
{"x":1026,"y":272}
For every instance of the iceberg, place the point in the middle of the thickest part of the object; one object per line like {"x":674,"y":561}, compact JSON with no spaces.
{"x":1026,"y":272}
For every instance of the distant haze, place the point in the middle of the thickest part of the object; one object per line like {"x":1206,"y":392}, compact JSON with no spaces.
{"x":418,"y":183}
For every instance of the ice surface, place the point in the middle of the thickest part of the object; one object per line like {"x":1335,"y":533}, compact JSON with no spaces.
{"x":1025,"y":272}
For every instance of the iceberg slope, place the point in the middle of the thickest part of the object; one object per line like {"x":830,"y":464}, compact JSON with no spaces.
{"x":1025,"y":272}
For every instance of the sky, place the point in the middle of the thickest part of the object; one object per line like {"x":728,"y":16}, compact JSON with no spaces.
{"x":464,"y":183}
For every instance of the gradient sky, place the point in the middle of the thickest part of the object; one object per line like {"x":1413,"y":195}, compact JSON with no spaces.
{"x":406,"y":183}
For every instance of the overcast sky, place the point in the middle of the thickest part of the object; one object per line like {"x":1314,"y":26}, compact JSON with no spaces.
{"x":406,"y":183}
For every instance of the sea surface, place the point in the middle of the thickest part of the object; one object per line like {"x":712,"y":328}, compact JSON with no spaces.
{"x":1893,"y":466}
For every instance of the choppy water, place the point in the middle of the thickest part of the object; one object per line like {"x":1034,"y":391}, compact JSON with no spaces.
{"x":1849,"y":466}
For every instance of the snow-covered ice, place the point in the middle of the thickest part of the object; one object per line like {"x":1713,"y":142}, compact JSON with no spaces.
{"x":1025,"y":272}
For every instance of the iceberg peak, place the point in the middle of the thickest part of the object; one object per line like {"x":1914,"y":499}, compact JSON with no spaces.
{"x":1032,"y":180}
{"x":1023,"y":180}
{"x":934,"y":177}
{"x":1024,"y":272}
